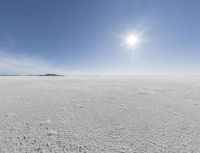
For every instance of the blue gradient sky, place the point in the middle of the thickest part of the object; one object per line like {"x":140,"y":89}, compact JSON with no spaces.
{"x":85,"y":36}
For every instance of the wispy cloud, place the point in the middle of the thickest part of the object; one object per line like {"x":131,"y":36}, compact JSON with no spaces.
{"x":21,"y":64}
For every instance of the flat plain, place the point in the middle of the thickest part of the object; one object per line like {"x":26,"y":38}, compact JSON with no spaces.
{"x":100,"y":114}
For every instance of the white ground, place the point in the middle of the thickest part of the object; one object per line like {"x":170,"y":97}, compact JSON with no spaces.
{"x":100,"y":114}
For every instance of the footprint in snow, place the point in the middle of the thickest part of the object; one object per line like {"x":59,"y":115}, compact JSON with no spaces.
{"x":51,"y":133}
{"x":142,"y":93}
{"x":80,"y":106}
{"x":46,"y":122}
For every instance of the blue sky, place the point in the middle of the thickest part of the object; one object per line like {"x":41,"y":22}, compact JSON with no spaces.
{"x":86,"y":36}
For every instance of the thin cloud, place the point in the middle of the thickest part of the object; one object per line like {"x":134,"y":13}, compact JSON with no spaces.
{"x":21,"y":64}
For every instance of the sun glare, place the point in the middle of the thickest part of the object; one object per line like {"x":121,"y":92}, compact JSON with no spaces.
{"x":131,"y":41}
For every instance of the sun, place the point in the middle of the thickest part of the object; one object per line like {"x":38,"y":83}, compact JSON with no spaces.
{"x":131,"y":41}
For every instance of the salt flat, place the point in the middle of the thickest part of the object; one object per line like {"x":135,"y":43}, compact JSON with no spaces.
{"x":98,"y":114}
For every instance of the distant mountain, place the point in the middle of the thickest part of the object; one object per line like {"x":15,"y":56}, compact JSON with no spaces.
{"x":48,"y":74}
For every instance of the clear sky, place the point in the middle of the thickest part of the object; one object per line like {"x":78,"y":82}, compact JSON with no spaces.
{"x":87,"y":36}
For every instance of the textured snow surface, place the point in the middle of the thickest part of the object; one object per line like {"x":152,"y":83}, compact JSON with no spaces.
{"x":83,"y":114}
